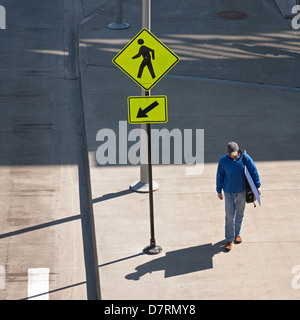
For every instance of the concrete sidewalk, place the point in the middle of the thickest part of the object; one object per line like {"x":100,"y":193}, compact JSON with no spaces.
{"x":238,"y":80}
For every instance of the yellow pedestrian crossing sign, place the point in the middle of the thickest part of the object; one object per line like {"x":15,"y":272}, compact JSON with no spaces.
{"x":147,"y":109}
{"x":145,"y":59}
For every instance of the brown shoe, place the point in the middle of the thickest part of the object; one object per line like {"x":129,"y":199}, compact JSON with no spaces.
{"x":228,"y":246}
{"x":238,"y":239}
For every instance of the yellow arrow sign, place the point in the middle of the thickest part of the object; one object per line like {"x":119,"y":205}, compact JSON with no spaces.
{"x":147,"y":109}
{"x":145,"y":59}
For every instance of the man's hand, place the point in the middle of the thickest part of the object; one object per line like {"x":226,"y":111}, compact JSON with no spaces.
{"x":259,"y":191}
{"x":220,"y":196}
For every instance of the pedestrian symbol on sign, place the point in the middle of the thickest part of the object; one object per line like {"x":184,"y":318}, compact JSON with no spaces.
{"x":145,"y":59}
{"x":145,"y":52}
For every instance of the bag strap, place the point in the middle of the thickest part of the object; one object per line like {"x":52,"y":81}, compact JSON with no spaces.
{"x":244,"y":160}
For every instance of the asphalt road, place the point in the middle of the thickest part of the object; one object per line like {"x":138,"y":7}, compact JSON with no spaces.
{"x":46,"y":249}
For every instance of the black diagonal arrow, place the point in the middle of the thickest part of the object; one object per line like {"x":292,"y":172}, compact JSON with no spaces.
{"x":143,"y":113}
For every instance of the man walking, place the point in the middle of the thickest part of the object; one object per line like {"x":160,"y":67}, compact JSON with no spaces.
{"x":231,"y":179}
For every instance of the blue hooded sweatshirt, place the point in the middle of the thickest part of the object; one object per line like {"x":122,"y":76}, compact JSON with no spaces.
{"x":230,"y":173}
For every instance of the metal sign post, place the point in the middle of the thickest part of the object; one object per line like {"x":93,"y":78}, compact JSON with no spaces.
{"x":143,"y":184}
{"x":146,"y":52}
{"x":118,"y":24}
{"x":148,"y":180}
{"x":152,"y":248}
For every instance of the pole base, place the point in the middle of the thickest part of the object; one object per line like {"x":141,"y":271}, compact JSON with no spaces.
{"x":118,"y":26}
{"x":141,"y":187}
{"x":152,"y":250}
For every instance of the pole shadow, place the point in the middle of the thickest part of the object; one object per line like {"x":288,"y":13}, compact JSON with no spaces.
{"x":112,"y":195}
{"x":182,"y":261}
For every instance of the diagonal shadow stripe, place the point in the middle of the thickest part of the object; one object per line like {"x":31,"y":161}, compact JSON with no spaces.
{"x":39,"y":226}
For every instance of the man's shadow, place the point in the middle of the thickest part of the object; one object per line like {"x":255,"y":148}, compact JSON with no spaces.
{"x":181,"y":261}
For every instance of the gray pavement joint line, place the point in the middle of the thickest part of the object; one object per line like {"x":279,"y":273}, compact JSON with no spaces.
{"x":233,"y":82}
{"x":163,"y":194}
{"x":220,"y":81}
{"x":271,"y":241}
{"x":95,"y":13}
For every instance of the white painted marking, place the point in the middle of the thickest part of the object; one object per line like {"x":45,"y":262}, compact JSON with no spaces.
{"x":2,"y":18}
{"x":2,"y":278}
{"x":38,"y":283}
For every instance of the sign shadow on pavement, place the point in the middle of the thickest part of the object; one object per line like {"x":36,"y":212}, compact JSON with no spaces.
{"x":182,"y":261}
{"x":112,"y":195}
